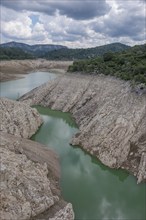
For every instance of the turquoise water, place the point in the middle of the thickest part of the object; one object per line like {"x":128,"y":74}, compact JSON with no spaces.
{"x":95,"y":191}
{"x":15,"y":88}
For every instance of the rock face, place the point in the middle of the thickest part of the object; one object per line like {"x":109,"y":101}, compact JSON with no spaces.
{"x":29,"y":171}
{"x":25,"y":187}
{"x":111,"y":118}
{"x":30,"y":187}
{"x":65,"y":213}
{"x":18,"y":119}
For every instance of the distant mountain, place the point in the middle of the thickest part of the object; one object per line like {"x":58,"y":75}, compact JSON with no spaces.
{"x":75,"y":54}
{"x":37,"y":50}
{"x":12,"y":53}
{"x":59,"y":52}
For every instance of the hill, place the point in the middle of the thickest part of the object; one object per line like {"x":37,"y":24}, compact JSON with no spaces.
{"x":128,"y":65}
{"x":37,"y":50}
{"x":12,"y":53}
{"x":75,"y":54}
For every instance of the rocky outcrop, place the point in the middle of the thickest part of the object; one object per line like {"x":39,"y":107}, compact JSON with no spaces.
{"x":29,"y":171}
{"x":65,"y":213}
{"x":18,"y":119}
{"x":29,"y":181}
{"x":111,"y":118}
{"x":25,"y":187}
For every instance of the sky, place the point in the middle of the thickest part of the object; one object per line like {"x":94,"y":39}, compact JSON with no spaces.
{"x":73,"y":23}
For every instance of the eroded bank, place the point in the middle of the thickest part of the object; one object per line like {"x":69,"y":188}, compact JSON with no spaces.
{"x":111,"y":117}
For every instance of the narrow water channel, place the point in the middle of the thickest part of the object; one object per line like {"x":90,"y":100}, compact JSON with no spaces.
{"x":95,"y":191}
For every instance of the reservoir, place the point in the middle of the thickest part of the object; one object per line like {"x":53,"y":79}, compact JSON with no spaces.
{"x":96,"y":191}
{"x":15,"y":88}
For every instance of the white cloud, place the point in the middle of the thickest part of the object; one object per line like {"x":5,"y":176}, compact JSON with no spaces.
{"x":123,"y":21}
{"x":15,"y":24}
{"x":38,"y":32}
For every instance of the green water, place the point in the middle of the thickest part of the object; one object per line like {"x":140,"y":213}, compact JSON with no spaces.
{"x":96,"y":192}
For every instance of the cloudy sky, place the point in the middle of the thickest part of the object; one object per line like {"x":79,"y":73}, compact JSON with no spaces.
{"x":73,"y":23}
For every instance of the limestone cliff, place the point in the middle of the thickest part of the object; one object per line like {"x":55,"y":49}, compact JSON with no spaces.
{"x":18,"y":119}
{"x":111,"y":117}
{"x":29,"y":181}
{"x":29,"y":171}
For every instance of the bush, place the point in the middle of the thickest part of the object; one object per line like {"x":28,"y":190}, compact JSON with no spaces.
{"x":108,"y":56}
{"x":140,"y":78}
{"x":139,"y":70}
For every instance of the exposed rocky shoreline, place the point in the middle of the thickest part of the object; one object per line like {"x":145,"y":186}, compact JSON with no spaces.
{"x":29,"y":171}
{"x":111,"y":117}
{"x":15,"y":69}
{"x":112,"y":127}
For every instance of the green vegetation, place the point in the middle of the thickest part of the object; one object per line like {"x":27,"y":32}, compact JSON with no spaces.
{"x":37,"y":50}
{"x":128,"y":65}
{"x":14,"y":50}
{"x":75,"y":54}
{"x":12,"y":53}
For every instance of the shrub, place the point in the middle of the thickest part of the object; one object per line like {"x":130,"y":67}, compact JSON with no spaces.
{"x":108,"y":56}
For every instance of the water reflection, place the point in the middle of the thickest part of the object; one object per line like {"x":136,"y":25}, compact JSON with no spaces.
{"x":96,"y":191}
{"x":121,"y":174}
{"x":67,"y":119}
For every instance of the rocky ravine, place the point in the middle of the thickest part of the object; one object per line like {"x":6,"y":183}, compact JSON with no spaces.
{"x":111,"y":117}
{"x":29,"y":171}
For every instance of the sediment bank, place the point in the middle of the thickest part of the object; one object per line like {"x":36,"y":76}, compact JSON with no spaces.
{"x":15,"y":69}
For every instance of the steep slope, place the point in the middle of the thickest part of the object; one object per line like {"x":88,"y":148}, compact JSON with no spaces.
{"x":29,"y":171}
{"x":18,"y":118}
{"x":111,"y":117}
{"x":30,"y":181}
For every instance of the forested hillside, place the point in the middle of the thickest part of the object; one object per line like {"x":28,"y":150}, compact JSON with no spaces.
{"x":128,"y":65}
{"x":54,"y":52}
{"x":14,"y":53}
{"x":75,"y":54}
{"x":37,"y":50}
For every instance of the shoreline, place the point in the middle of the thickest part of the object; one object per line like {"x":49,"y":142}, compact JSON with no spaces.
{"x":30,"y":171}
{"x":111,"y":118}
{"x":14,"y":69}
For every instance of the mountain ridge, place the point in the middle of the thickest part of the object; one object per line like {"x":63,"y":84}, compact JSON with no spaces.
{"x":85,"y":53}
{"x":60,"y":52}
{"x":36,"y":49}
